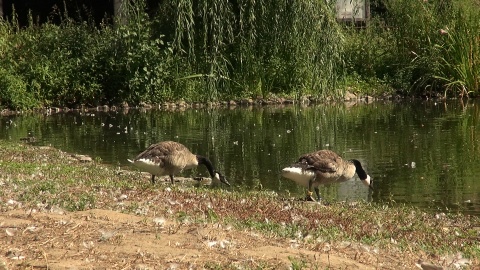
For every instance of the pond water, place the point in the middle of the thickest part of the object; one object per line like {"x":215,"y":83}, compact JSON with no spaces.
{"x":422,"y":153}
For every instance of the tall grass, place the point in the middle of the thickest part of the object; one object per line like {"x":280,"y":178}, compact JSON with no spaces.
{"x":459,"y":65}
{"x":420,"y":47}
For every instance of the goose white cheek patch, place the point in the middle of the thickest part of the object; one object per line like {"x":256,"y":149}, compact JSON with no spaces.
{"x":367,"y":181}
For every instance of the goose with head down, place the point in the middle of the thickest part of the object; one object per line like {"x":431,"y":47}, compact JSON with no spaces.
{"x":324,"y":167}
{"x":170,"y":158}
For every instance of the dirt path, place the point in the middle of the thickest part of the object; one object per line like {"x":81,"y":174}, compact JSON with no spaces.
{"x":108,"y":239}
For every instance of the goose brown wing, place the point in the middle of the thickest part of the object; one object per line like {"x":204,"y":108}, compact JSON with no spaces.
{"x":162,"y":153}
{"x":325,"y":161}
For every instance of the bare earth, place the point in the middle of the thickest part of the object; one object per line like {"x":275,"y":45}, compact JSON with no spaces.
{"x":101,"y":239}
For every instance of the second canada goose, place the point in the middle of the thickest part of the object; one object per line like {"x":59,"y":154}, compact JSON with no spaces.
{"x":170,"y":158}
{"x":324,"y":167}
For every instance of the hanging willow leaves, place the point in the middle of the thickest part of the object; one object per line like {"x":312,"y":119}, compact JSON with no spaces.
{"x":263,"y":46}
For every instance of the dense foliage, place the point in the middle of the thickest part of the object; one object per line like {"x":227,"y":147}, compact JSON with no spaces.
{"x":419,"y":47}
{"x":204,"y":50}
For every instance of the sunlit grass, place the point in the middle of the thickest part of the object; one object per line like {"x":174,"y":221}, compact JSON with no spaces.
{"x":460,"y":54}
{"x":419,"y":47}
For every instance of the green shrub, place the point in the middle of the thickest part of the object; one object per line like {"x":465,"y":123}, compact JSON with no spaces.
{"x":206,"y":50}
{"x":135,"y":61}
{"x":14,"y":93}
{"x":202,"y":51}
{"x":368,"y":51}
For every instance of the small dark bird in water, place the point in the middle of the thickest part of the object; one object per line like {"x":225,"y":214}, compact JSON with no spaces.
{"x":324,"y":167}
{"x":170,"y":158}
{"x":29,"y":139}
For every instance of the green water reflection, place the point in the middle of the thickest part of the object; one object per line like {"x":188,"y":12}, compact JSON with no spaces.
{"x":423,"y":153}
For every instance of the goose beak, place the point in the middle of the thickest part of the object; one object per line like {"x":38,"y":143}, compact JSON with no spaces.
{"x":368,"y":182}
{"x":371,"y":186}
{"x":222,"y":178}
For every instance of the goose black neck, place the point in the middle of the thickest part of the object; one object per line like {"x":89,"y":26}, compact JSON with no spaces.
{"x":205,"y":161}
{"x":360,"y":171}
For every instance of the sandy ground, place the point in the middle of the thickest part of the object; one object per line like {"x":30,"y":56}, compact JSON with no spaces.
{"x":103,"y":239}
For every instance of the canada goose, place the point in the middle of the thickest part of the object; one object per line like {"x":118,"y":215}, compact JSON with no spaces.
{"x":170,"y":158}
{"x":324,"y":167}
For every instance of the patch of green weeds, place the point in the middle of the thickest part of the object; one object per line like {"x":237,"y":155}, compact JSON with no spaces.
{"x":131,"y":207}
{"x":298,"y":263}
{"x":80,"y":202}
{"x":247,"y":265}
{"x":182,"y":216}
{"x":211,"y":215}
{"x":213,"y":266}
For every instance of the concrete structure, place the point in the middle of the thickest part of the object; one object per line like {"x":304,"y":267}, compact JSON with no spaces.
{"x":353,"y":10}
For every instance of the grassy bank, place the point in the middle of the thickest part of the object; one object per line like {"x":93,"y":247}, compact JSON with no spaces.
{"x":48,"y":180}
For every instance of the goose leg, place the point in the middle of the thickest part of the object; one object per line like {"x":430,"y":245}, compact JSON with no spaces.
{"x":318,"y":193}
{"x":153,"y":179}
{"x":310,"y":193}
{"x":171,"y":179}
